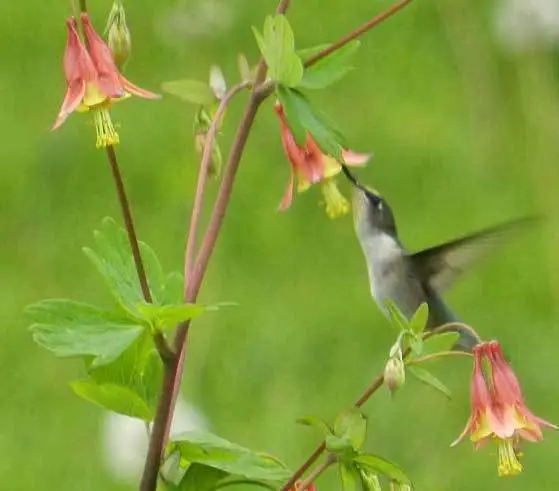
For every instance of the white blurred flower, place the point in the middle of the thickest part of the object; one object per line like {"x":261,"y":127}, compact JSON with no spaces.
{"x":201,"y":18}
{"x":125,"y":440}
{"x":528,"y":24}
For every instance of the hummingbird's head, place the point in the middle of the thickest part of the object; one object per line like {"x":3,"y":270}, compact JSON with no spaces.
{"x":371,"y":213}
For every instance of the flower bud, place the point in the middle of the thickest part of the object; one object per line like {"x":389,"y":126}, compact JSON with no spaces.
{"x":118,"y":35}
{"x":217,"y":82}
{"x":394,"y":372}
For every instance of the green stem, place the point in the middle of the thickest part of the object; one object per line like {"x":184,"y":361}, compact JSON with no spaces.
{"x":434,"y":356}
{"x":317,"y":471}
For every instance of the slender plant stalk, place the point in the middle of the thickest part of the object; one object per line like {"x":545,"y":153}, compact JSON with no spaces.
{"x":203,"y":176}
{"x":317,"y":471}
{"x":367,"y":26}
{"x":375,"y":384}
{"x":160,"y":342}
{"x":434,"y":356}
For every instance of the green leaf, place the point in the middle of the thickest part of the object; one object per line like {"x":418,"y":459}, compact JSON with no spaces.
{"x":200,"y":477}
{"x":114,"y":261}
{"x":340,"y":445}
{"x":317,"y":423}
{"x":277,"y":45}
{"x":348,"y":476}
{"x":303,"y":118}
{"x":192,"y":91}
{"x":162,"y":316}
{"x":419,"y":318}
{"x":399,"y":320}
{"x":440,"y":342}
{"x":429,"y":379}
{"x":370,"y":480}
{"x":379,"y":465}
{"x":114,"y":398}
{"x":139,"y":369}
{"x":210,"y":450}
{"x":306,"y":53}
{"x":416,"y":344}
{"x":351,"y":424}
{"x":71,"y":329}
{"x":330,"y":69}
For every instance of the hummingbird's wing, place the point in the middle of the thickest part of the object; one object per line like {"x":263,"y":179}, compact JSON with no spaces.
{"x":439,"y":266}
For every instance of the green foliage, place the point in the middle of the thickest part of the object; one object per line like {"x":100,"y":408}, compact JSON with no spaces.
{"x":419,"y":319}
{"x":383,"y":467}
{"x":212,"y":451}
{"x":331,"y":69}
{"x":351,"y":424}
{"x":398,"y":320}
{"x":193,"y":91}
{"x":139,"y":369}
{"x":114,"y":398}
{"x":429,"y":379}
{"x":302,"y":117}
{"x":124,"y":369}
{"x":440,"y":342}
{"x":277,"y":45}
{"x":74,"y":329}
{"x":114,"y":261}
{"x":345,"y":440}
{"x":199,"y":477}
{"x":349,"y":476}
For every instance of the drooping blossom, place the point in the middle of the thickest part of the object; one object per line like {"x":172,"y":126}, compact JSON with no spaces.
{"x":93,"y":82}
{"x":498,"y":410}
{"x":310,"y":166}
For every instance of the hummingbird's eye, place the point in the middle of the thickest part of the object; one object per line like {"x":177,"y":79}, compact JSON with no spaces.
{"x":376,"y":200}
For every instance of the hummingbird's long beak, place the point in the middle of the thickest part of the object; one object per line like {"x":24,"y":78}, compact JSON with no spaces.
{"x":351,"y":178}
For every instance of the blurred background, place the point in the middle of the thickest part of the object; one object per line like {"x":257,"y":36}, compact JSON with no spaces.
{"x":459,"y":101}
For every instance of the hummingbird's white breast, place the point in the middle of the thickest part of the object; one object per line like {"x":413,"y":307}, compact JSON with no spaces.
{"x":389,"y":274}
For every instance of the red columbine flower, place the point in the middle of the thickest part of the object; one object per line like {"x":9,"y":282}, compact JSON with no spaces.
{"x":498,"y":411}
{"x":311,"y":166}
{"x":92,"y":81}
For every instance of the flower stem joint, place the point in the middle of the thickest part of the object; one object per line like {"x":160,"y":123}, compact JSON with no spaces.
{"x":93,"y":81}
{"x":498,"y":410}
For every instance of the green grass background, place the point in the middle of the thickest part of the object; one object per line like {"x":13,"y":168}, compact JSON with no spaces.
{"x":464,"y":134}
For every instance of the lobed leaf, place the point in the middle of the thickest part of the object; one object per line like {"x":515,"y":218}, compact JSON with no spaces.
{"x":277,"y":45}
{"x":201,"y":477}
{"x":210,"y":450}
{"x":74,"y":329}
{"x":113,"y":397}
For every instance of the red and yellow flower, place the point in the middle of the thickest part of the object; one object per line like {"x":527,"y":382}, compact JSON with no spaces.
{"x":310,"y":166}
{"x":498,"y":410}
{"x":93,"y":81}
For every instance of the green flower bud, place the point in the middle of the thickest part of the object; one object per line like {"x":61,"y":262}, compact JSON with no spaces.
{"x":118,"y":35}
{"x":394,"y":372}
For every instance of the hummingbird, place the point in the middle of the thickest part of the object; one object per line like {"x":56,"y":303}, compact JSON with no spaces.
{"x":410,"y":279}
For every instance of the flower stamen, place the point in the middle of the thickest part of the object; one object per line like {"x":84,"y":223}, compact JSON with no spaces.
{"x":106,"y":133}
{"x":508,"y":460}
{"x":336,"y":204}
